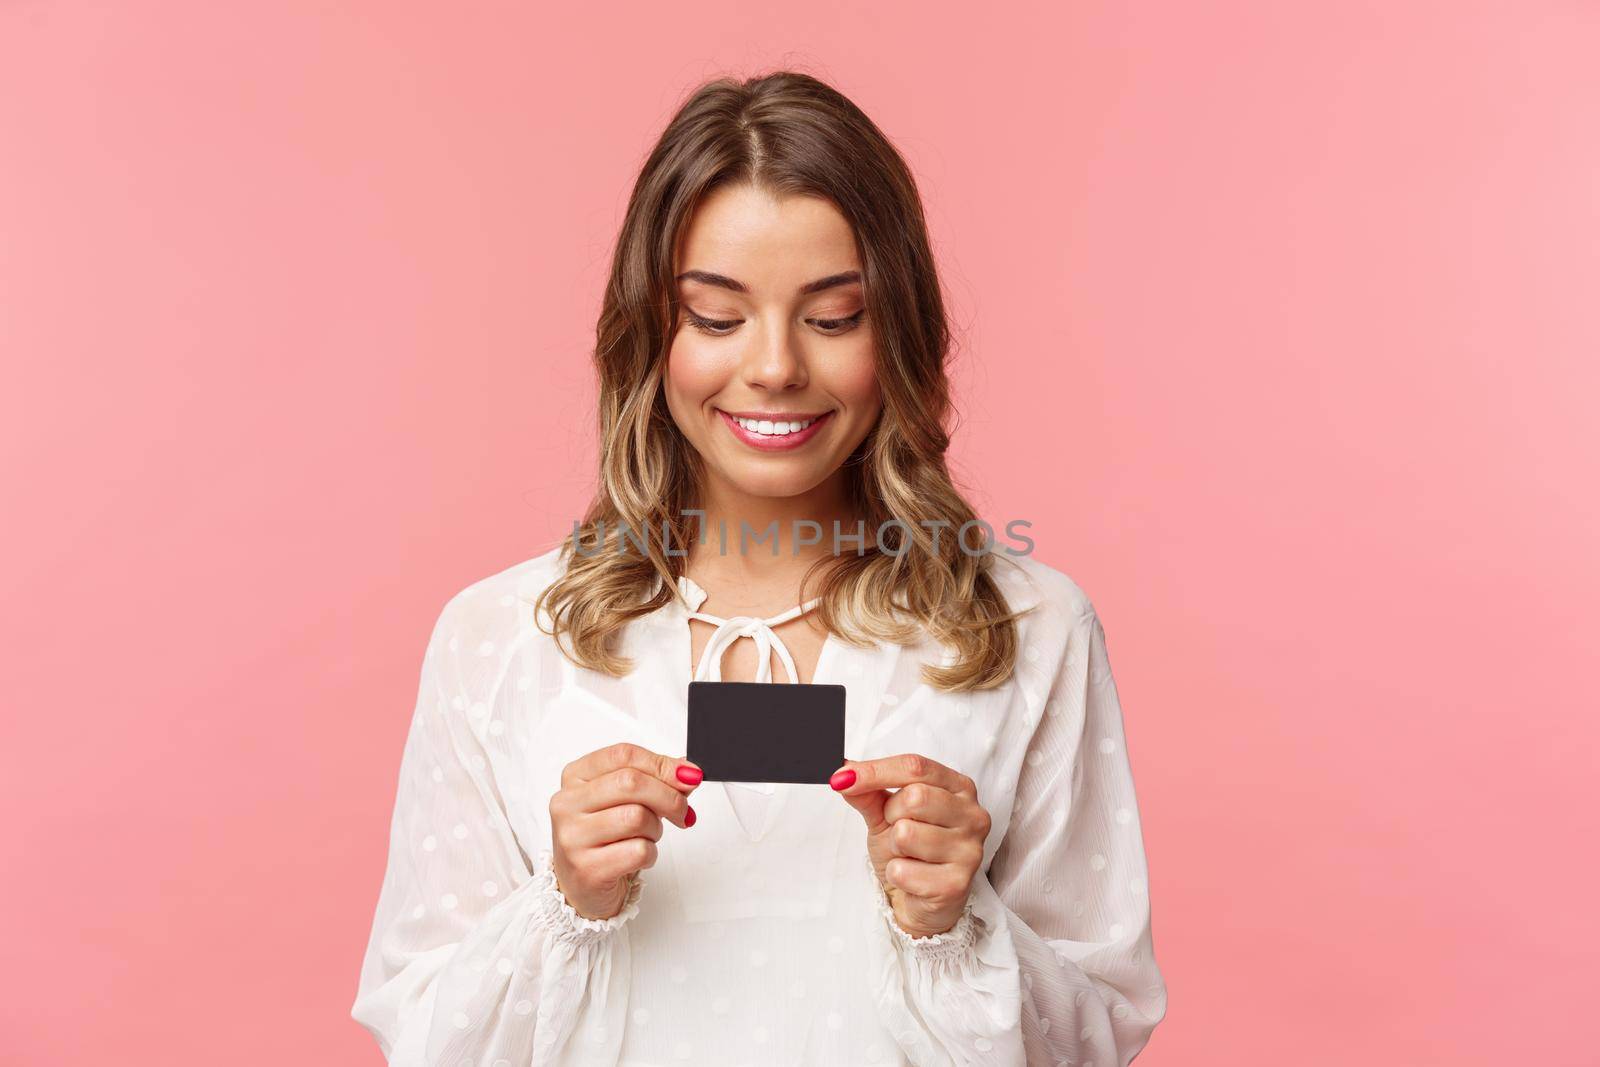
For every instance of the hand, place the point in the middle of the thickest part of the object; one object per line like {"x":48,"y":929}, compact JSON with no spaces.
{"x":605,"y":821}
{"x":925,"y":839}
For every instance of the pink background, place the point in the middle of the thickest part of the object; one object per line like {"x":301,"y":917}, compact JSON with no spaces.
{"x":1279,"y":321}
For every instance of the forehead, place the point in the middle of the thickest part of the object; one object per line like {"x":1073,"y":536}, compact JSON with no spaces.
{"x":772,"y":244}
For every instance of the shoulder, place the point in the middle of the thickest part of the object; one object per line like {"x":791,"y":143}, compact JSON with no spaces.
{"x":1056,"y":612}
{"x":496,"y":609}
{"x":1050,"y":597}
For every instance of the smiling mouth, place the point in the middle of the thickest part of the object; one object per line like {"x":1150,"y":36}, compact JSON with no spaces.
{"x":774,"y":427}
{"x":773,"y":430}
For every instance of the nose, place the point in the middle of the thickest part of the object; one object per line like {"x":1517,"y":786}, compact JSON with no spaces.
{"x":775,"y":362}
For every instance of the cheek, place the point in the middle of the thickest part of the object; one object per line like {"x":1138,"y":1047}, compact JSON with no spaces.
{"x":693,"y":374}
{"x":855,"y":382}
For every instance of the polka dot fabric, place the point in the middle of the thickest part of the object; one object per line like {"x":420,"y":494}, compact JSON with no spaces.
{"x":767,"y":939}
{"x":1063,"y":970}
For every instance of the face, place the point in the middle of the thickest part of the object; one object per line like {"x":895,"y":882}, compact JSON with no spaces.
{"x":771,"y":373}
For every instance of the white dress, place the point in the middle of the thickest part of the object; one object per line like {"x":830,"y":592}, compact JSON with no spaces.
{"x":760,"y":935}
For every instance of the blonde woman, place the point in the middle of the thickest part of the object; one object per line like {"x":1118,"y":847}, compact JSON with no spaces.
{"x":563,"y":886}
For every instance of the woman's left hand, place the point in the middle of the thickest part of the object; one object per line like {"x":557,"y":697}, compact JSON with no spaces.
{"x":925,"y":839}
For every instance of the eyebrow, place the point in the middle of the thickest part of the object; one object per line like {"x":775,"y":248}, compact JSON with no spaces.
{"x":706,"y":277}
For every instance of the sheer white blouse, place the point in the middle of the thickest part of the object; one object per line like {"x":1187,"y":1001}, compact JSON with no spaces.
{"x":760,"y":936}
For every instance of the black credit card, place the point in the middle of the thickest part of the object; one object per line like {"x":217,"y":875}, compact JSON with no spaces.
{"x":766,"y":731}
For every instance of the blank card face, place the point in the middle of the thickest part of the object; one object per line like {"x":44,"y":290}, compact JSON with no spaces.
{"x":766,"y":731}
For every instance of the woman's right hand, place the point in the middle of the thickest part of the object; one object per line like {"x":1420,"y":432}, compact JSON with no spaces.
{"x":605,"y":821}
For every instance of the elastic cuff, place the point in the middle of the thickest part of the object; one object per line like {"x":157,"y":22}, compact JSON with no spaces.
{"x":955,"y":943}
{"x":562,"y":919}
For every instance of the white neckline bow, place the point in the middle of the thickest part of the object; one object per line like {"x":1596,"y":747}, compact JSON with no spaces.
{"x":709,"y":669}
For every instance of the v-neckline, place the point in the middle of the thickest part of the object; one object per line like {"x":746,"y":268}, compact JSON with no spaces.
{"x":685,"y":657}
{"x":684,"y":670}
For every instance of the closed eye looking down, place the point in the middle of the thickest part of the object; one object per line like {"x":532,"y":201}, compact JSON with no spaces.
{"x":724,"y":327}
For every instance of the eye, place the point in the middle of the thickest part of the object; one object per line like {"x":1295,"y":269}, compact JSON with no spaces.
{"x":834,"y":327}
{"x":723,"y":327}
{"x":714,"y":327}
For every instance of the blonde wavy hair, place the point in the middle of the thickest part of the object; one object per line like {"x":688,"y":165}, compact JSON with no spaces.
{"x":789,"y":133}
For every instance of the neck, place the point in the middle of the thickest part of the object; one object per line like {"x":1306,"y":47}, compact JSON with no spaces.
{"x":745,"y":517}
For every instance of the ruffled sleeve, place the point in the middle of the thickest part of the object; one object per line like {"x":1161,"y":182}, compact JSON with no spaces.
{"x":1052,"y":959}
{"x":475,"y":955}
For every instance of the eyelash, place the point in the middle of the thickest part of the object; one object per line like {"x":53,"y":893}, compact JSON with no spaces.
{"x":710,"y":326}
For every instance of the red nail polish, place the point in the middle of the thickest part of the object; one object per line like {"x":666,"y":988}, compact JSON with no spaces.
{"x":843,"y":779}
{"x":690,"y":775}
{"x":688,"y":819}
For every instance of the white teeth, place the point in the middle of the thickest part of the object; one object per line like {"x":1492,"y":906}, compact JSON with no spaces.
{"x":769,"y":428}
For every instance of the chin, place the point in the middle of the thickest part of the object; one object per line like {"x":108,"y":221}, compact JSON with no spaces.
{"x":778,"y":486}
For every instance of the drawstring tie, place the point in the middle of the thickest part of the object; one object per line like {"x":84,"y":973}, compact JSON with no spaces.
{"x":729,"y":631}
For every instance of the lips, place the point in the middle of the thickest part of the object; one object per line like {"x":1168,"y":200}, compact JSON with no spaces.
{"x":775,"y":425}
{"x":774,"y":431}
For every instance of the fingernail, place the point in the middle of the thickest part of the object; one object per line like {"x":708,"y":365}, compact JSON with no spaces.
{"x":689,"y":775}
{"x":688,"y":819}
{"x":843,"y":779}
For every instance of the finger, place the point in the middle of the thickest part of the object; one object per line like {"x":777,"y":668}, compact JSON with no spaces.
{"x":624,"y":754}
{"x":621,"y":858}
{"x":931,"y":804}
{"x":895,"y":772}
{"x":629,"y":785}
{"x":939,"y":883}
{"x":612,"y":824}
{"x":870,"y":803}
{"x":934,"y":844}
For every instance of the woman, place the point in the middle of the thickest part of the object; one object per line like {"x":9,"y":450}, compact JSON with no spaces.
{"x":972,"y":889}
